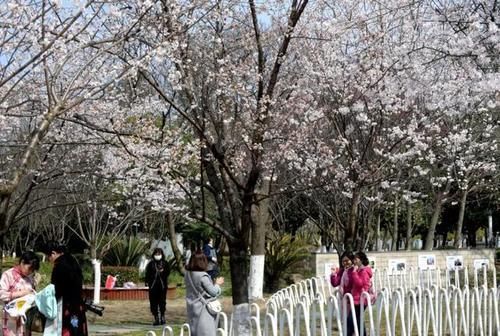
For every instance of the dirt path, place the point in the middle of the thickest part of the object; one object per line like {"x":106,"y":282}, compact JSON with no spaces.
{"x":137,"y":312}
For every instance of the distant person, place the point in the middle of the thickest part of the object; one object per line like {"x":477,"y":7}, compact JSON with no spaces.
{"x":361,"y":278}
{"x":67,"y":278}
{"x":200,"y":289}
{"x":188,"y":253}
{"x":211,"y":254}
{"x":16,"y":282}
{"x":157,"y":272}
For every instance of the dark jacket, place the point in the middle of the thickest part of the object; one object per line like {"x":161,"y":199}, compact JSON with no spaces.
{"x":67,"y":278}
{"x":157,"y":274}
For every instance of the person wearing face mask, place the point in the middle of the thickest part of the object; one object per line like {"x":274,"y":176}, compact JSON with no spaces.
{"x":157,"y":272}
{"x":16,"y":282}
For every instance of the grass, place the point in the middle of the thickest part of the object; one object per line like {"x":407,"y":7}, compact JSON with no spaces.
{"x":136,"y":313}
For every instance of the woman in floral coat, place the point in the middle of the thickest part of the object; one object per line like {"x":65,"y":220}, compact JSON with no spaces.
{"x":16,"y":282}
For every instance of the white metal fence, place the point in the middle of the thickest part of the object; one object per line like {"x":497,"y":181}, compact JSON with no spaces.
{"x":431,"y":302}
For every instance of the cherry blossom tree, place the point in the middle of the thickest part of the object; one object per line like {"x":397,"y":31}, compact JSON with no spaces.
{"x":378,"y":63}
{"x":53,"y":58}
{"x":217,"y":73}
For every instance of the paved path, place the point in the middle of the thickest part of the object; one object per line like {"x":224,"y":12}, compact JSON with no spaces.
{"x":101,"y":330}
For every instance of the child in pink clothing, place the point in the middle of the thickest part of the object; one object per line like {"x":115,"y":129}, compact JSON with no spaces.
{"x":14,"y":283}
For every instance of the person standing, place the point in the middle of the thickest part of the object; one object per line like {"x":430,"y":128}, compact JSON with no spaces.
{"x":341,"y":277}
{"x":361,"y":282}
{"x":200,"y":289}
{"x":16,"y":282}
{"x":157,"y":272}
{"x":67,"y":278}
{"x":188,"y":253}
{"x":211,"y":254}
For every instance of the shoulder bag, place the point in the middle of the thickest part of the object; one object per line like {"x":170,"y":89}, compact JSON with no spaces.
{"x":213,"y":306}
{"x":35,"y":321}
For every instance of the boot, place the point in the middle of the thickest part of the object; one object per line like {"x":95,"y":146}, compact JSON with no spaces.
{"x":162,"y":320}
{"x":156,"y":321}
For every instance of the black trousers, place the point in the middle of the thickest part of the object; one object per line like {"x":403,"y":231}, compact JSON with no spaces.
{"x":350,"y":321}
{"x":157,"y":300}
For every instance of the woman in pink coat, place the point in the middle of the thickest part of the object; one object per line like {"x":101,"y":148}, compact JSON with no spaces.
{"x":361,"y":281}
{"x":15,"y":283}
{"x":341,"y":278}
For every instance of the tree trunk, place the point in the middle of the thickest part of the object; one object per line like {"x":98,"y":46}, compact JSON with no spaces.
{"x":93,"y":249}
{"x":368,"y":233}
{"x":4,"y":208}
{"x":458,"y":230}
{"x":260,"y":219}
{"x":2,"y":252}
{"x":378,"y":243}
{"x":353,"y":219}
{"x":395,"y":225}
{"x":173,"y":242}
{"x":9,"y":187}
{"x":429,"y":239}
{"x":96,"y":264}
{"x":238,"y":261}
{"x":384,"y":240}
{"x":408,"y":227}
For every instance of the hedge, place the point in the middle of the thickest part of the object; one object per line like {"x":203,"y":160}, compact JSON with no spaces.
{"x":123,"y":273}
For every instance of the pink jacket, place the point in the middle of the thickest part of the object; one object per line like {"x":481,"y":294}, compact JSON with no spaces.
{"x":361,"y":281}
{"x":12,"y":280}
{"x":342,"y":280}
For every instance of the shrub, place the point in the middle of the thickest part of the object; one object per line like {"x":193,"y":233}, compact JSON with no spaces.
{"x":87,"y":269}
{"x":127,"y":252}
{"x":283,"y":253}
{"x":45,"y":272}
{"x":9,"y":262}
{"x":123,"y":273}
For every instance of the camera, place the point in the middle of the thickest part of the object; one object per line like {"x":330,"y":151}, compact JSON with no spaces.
{"x":90,"y":306}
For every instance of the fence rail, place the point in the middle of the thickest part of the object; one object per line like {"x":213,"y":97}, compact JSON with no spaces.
{"x":416,"y":302}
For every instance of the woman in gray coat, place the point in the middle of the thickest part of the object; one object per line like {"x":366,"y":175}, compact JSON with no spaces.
{"x":199,"y":283}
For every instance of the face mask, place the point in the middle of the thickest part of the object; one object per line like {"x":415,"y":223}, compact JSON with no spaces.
{"x":157,"y":257}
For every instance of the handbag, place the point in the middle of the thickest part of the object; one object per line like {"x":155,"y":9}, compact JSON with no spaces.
{"x":35,"y":321}
{"x":214,"y":306}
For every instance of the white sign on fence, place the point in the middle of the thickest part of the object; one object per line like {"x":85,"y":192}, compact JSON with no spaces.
{"x":397,"y":266}
{"x":454,"y":262}
{"x":427,"y":261}
{"x":479,"y":263}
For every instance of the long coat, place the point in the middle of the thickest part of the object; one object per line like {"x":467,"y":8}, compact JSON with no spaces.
{"x":201,"y":322}
{"x":157,"y":274}
{"x":67,"y":278}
